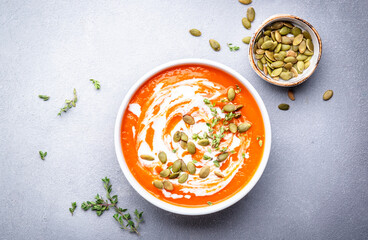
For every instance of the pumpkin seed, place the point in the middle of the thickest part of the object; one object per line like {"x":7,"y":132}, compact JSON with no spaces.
{"x":246,"y":40}
{"x":184,"y":137}
{"x":238,"y":107}
{"x":219,"y":174}
{"x":306,"y":64}
{"x":272,"y":48}
{"x":327,"y":95}
{"x":285,"y":47}
{"x":308,"y":53}
{"x":284,"y":31}
{"x":284,"y":106}
{"x":267,"y":33}
{"x":176,"y":166}
{"x":246,"y":23}
{"x":215,"y":45}
{"x":204,"y":142}
{"x":222,"y":156}
{"x":174,"y":175}
{"x":191,"y":168}
{"x":286,"y":40}
{"x":289,"y":25}
{"x":195,"y":32}
{"x":302,"y":46}
{"x":298,"y":39}
{"x":307,"y":59}
{"x":269,"y":70}
{"x":278,"y":36}
{"x":168,"y":185}
{"x":183,"y":178}
{"x":294,"y":48}
{"x":276,"y":72}
{"x":233,"y":128}
{"x":267,"y":38}
{"x":277,"y":64}
{"x":267,"y":44}
{"x":278,"y":48}
{"x":165,"y":173}
{"x":231,"y":94}
{"x":300,"y":66}
{"x":301,"y":57}
{"x":273,"y":36}
{"x":260,"y":51}
{"x":263,"y":60}
{"x":269,"y":55}
{"x":296,"y":31}
{"x":183,"y":166}
{"x":265,"y":69}
{"x":205,"y":171}
{"x":291,"y":53}
{"x":191,"y":148}
{"x":278,"y":57}
{"x":260,"y":65}
{"x":291,"y":95}
{"x":259,"y":56}
{"x":286,"y":75}
{"x":307,"y":35}
{"x":290,"y":60}
{"x":183,"y":145}
{"x":277,"y":25}
{"x":251,"y":14}
{"x":158,"y":184}
{"x":162,"y":157}
{"x":288,"y":66}
{"x":260,"y":42}
{"x":229,"y":107}
{"x":294,"y":72}
{"x":188,"y":119}
{"x":177,"y":136}
{"x":243,"y":127}
{"x":310,"y":45}
{"x":147,"y":157}
{"x":246,"y":2}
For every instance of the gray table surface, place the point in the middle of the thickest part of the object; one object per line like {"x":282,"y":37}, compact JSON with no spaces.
{"x":315,"y":184}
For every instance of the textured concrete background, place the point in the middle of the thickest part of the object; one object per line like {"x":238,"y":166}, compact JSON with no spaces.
{"x":314,"y":187}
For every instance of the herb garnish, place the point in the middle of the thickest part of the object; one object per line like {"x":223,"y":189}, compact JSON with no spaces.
{"x":101,"y":205}
{"x":69,"y":103}
{"x":238,"y":89}
{"x":233,"y":48}
{"x":42,"y":155}
{"x":243,"y":155}
{"x":74,"y":206}
{"x":194,"y":161}
{"x":44,"y":97}
{"x":216,"y":163}
{"x":205,"y":157}
{"x":96,"y":83}
{"x":260,"y":142}
{"x":209,"y":203}
{"x":174,"y":150}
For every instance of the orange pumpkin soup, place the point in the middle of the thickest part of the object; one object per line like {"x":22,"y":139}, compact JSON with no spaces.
{"x":187,"y":140}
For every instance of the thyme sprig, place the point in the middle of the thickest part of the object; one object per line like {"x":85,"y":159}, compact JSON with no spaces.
{"x":233,"y":48}
{"x":96,"y":83}
{"x":69,"y":103}
{"x":42,"y":155}
{"x":100,"y":205}
{"x":44,"y":97}
{"x":74,"y":206}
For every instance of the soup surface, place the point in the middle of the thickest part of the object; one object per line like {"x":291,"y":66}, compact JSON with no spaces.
{"x":186,"y":114}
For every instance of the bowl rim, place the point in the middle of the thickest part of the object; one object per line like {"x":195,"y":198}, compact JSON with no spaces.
{"x":260,"y":28}
{"x":192,"y":210}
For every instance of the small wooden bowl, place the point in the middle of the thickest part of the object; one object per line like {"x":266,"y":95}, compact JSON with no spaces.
{"x":302,"y":24}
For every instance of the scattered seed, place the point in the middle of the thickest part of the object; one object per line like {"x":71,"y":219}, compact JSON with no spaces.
{"x":162,"y":157}
{"x":246,"y":2}
{"x":204,"y":142}
{"x":174,"y":175}
{"x":284,"y":106}
{"x":246,"y":40}
{"x":291,"y":95}
{"x":229,"y":107}
{"x":195,"y":32}
{"x":231,"y":94}
{"x":183,"y":178}
{"x":191,"y":148}
{"x":327,"y":95}
{"x":147,"y":157}
{"x":188,"y":119}
{"x":183,"y":145}
{"x":215,"y":45}
{"x":251,"y":14}
{"x":176,"y":166}
{"x":168,"y":185}
{"x":177,"y":136}
{"x":233,"y":128}
{"x":219,"y":174}
{"x":246,"y":23}
{"x":243,"y":127}
{"x":222,"y":156}
{"x":165,"y":173}
{"x":205,"y":171}
{"x":159,"y":184}
{"x":184,"y":137}
{"x":191,"y":168}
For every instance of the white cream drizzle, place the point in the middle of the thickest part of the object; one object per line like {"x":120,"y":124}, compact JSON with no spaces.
{"x":166,"y":98}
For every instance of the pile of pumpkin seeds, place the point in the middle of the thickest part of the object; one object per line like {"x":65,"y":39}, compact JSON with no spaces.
{"x":283,"y":50}
{"x":181,"y":171}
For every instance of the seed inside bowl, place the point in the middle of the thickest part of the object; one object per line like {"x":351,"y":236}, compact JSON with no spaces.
{"x":283,"y":51}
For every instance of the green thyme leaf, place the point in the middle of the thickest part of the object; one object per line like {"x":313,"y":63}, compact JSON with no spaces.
{"x":96,"y":83}
{"x":74,"y":206}
{"x":205,"y":157}
{"x":44,"y":97}
{"x":260,"y":142}
{"x":174,"y":150}
{"x":194,"y":161}
{"x":233,"y":48}
{"x":216,"y":163}
{"x":42,"y":155}
{"x":206,"y":101}
{"x":209,"y":203}
{"x":243,"y":155}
